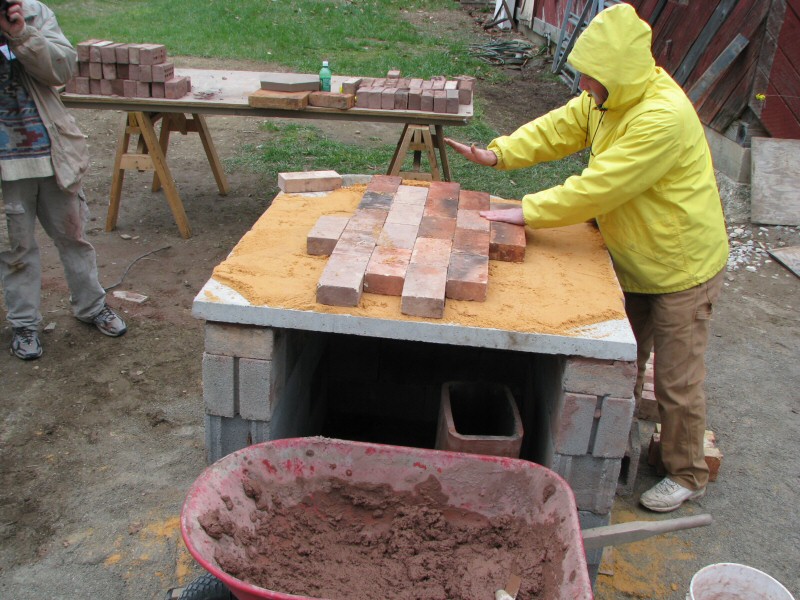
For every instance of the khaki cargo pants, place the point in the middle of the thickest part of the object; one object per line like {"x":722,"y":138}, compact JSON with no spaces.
{"x":675,"y":327}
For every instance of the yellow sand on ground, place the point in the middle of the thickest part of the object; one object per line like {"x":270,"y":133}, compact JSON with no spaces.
{"x":566,"y":281}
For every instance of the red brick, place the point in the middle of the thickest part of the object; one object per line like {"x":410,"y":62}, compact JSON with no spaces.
{"x":434,"y":252}
{"x":323,"y":236}
{"x":71,"y":87}
{"x":108,"y":54}
{"x":83,"y":68}
{"x":426,"y":101}
{"x":441,"y":207}
{"x":387,"y":98}
{"x":133,"y":72}
{"x":94,"y":86}
{"x":384,"y":183}
{"x":157,"y":90}
{"x":466,"y":85}
{"x":471,"y":219}
{"x":471,"y":241}
{"x":163,"y":72}
{"x":84,"y":49}
{"x":109,"y":71}
{"x":129,"y":87}
{"x":415,"y":83}
{"x":411,"y":194}
{"x":341,"y":282}
{"x":95,"y":70}
{"x":105,"y":87}
{"x":145,"y":73}
{"x":376,"y":200}
{"x":121,"y":54}
{"x":507,"y":242}
{"x":118,"y":87}
{"x":424,"y":291}
{"x":451,"y":84}
{"x":415,"y":99}
{"x":471,"y":200}
{"x":152,"y":54}
{"x":81,"y":85}
{"x":438,"y":82}
{"x":367,"y":220}
{"x":451,"y":101}
{"x":599,"y":377}
{"x":142,"y":89}
{"x":351,"y":85}
{"x":439,"y":101}
{"x":396,"y":235}
{"x":96,"y":50}
{"x":401,"y":100}
{"x":362,"y":98}
{"x":133,"y":53}
{"x":427,"y":85}
{"x":405,"y":214}
{"x":444,"y":189}
{"x":647,"y":409}
{"x":467,"y":277}
{"x":355,"y":242}
{"x":375,"y":98}
{"x":386,"y":271}
{"x":437,"y":227}
{"x":123,"y":71}
{"x":331,"y":100}
{"x":393,"y":74}
{"x":177,"y":87}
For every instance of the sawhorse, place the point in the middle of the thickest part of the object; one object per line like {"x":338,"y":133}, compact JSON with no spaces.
{"x":151,"y":155}
{"x":419,"y":139}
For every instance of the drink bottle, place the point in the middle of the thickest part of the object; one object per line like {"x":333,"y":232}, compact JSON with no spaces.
{"x":325,"y":77}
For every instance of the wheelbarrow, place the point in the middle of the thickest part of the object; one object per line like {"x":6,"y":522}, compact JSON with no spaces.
{"x":490,"y":486}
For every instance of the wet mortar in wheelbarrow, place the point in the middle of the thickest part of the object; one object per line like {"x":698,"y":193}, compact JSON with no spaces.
{"x":313,"y":518}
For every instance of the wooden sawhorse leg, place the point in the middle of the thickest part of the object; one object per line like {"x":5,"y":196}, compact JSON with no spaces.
{"x":419,"y":139}
{"x":151,"y":155}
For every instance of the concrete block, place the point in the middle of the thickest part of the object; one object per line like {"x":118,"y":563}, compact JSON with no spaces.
{"x":219,"y":385}
{"x":600,"y":377}
{"x":573,"y":425}
{"x":385,"y":184}
{"x":225,"y":435}
{"x":245,"y":341}
{"x":471,"y":241}
{"x":255,"y":381}
{"x":341,"y":283}
{"x":593,"y":480}
{"x":472,"y":200}
{"x":507,"y":242}
{"x":433,"y":252}
{"x":309,"y":181}
{"x":437,"y":227}
{"x":398,"y":235}
{"x":613,"y":428}
{"x":325,"y":234}
{"x":424,"y":291}
{"x":630,"y":462}
{"x":386,"y":271}
{"x":467,"y":277}
{"x":472,"y":219}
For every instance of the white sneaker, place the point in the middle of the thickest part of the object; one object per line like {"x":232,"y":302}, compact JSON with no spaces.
{"x":666,"y":496}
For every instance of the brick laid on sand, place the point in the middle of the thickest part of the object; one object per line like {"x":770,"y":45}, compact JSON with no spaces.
{"x":341,"y":283}
{"x":386,"y":271}
{"x":467,"y":277}
{"x":424,"y":291}
{"x":507,"y":242}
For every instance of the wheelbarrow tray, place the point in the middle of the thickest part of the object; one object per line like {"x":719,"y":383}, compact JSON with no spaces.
{"x":488,"y":485}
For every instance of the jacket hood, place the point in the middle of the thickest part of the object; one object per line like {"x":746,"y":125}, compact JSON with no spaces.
{"x":615,"y":49}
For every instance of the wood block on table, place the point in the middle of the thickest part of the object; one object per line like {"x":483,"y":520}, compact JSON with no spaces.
{"x":331,"y":100}
{"x":309,"y":181}
{"x":279,"y":100}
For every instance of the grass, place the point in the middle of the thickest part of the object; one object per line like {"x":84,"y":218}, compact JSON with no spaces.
{"x":365,"y":37}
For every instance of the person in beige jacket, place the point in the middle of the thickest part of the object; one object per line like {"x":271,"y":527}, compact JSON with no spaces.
{"x":43,"y":157}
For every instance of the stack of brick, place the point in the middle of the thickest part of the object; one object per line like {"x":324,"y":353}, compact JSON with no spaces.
{"x":106,"y":68}
{"x":438,"y":94}
{"x":647,"y":409}
{"x":424,"y":244}
{"x":713,"y":456}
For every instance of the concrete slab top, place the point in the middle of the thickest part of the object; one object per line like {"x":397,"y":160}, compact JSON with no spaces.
{"x":564,"y":299}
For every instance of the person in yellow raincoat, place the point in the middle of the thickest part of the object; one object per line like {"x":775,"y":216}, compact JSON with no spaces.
{"x":650,"y":186}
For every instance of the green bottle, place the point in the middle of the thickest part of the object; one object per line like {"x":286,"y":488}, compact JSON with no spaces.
{"x":325,"y":77}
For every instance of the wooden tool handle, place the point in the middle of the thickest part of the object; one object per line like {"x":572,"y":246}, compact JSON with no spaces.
{"x":622,"y":533}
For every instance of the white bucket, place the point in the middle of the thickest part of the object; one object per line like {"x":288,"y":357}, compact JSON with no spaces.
{"x":730,"y":581}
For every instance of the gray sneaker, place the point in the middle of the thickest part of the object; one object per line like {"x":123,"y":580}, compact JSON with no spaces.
{"x":25,"y":344}
{"x":109,"y":322}
{"x":667,"y":495}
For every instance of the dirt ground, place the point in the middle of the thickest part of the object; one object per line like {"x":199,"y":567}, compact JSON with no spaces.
{"x":101,"y":437}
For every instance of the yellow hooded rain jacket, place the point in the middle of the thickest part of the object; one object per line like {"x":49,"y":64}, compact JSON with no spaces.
{"x":650,"y":181}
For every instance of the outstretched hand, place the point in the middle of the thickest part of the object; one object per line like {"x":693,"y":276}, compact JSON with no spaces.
{"x":472,"y":153}
{"x":505,"y":215}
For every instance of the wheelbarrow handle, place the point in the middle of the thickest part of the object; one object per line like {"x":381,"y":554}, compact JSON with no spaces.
{"x":622,"y":533}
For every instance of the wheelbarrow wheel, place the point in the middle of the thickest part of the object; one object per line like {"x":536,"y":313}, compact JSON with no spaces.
{"x":206,"y":587}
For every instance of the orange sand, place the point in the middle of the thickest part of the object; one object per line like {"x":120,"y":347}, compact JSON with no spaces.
{"x":566,"y":282}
